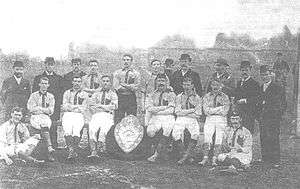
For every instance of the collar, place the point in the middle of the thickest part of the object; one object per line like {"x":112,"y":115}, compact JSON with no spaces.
{"x":127,"y":69}
{"x":12,"y":123}
{"x":214,"y":94}
{"x":40,"y":93}
{"x":267,"y":84}
{"x":47,"y":73}
{"x":72,"y":90}
{"x":219,"y":75}
{"x":192,"y":94}
{"x":244,"y":80}
{"x":104,"y":90}
{"x":95,"y":74}
{"x":17,"y":79}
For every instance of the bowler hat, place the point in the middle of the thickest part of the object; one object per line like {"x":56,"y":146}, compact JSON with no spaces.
{"x":18,"y":64}
{"x":49,"y":60}
{"x":76,"y":60}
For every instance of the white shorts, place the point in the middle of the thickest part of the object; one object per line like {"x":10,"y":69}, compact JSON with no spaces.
{"x":102,"y":121}
{"x":214,"y":123}
{"x":41,"y":120}
{"x":182,"y":123}
{"x":72,"y":123}
{"x":157,"y":122}
{"x":25,"y":148}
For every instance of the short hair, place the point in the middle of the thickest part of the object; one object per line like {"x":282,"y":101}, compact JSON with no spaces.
{"x":155,"y":60}
{"x":187,"y":79}
{"x":16,"y":109}
{"x":93,"y":61}
{"x":44,"y":79}
{"x":104,"y":76}
{"x":169,"y":62}
{"x":128,"y":55}
{"x":76,"y":60}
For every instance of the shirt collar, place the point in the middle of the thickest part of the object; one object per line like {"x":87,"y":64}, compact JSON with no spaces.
{"x":127,"y":69}
{"x":18,"y":79}
{"x":40,"y":93}
{"x":104,"y":90}
{"x":267,"y":84}
{"x":244,"y":80}
{"x":47,"y":73}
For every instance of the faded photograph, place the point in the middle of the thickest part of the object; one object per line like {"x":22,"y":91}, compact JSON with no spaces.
{"x":149,"y":94}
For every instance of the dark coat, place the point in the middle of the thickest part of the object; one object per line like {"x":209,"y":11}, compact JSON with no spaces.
{"x":56,"y":88}
{"x":177,"y":79}
{"x":68,"y":78}
{"x":13,"y":94}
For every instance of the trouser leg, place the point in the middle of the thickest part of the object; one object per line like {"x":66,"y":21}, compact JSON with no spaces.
{"x":53,"y":134}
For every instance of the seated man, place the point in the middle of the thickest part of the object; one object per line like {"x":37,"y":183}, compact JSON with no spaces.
{"x":215,"y":106}
{"x":41,"y":106}
{"x":15,"y":140}
{"x":188,"y":108}
{"x":74,"y":106}
{"x":237,"y":145}
{"x":161,"y":105}
{"x":102,"y":105}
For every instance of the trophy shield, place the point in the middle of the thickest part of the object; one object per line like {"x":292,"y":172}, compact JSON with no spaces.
{"x":129,"y":133}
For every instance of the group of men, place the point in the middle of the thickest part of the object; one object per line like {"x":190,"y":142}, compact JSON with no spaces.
{"x":173,"y":102}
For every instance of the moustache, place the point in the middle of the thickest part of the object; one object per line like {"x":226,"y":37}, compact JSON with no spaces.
{"x":161,"y":85}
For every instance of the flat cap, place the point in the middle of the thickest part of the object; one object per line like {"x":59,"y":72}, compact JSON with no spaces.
{"x":185,"y":57}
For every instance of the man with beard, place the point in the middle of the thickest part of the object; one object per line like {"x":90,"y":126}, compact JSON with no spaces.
{"x":188,"y":109}
{"x":41,"y":106}
{"x":77,"y":71}
{"x":246,"y":93}
{"x":55,"y":88}
{"x":126,"y":82}
{"x":221,"y":74}
{"x":237,"y":145}
{"x":161,"y":105}
{"x":215,"y":106}
{"x":103,"y":104}
{"x":15,"y":90}
{"x":15,"y":140}
{"x":270,"y":108}
{"x":74,"y":106}
{"x":185,"y":71}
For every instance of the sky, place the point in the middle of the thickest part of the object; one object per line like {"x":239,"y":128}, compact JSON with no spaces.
{"x":46,"y":27}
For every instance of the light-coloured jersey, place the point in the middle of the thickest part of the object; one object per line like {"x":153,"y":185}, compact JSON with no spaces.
{"x":216,"y":104}
{"x":72,"y":97}
{"x":36,"y":101}
{"x":11,"y":134}
{"x":130,"y":77}
{"x":185,"y":102}
{"x":105,"y":98}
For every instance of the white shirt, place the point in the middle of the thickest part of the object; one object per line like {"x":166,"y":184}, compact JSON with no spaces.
{"x":18,"y":79}
{"x":266,"y":85}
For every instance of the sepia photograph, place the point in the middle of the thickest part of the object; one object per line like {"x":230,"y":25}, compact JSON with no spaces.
{"x":149,"y":94}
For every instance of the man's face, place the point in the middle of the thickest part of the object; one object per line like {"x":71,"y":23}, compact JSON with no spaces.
{"x":127,"y":61}
{"x":245,"y":72}
{"x":187,"y":86}
{"x":235,"y":121}
{"x":93,"y":67}
{"x":18,"y":71}
{"x":220,"y":68}
{"x":44,"y":84}
{"x":266,"y":77}
{"x":161,"y":83}
{"x":185,"y":64}
{"x":49,"y":67}
{"x":16,"y":116}
{"x":77,"y":83}
{"x":216,"y":86}
{"x":76,"y":66}
{"x":105,"y":82}
{"x":155,"y":66}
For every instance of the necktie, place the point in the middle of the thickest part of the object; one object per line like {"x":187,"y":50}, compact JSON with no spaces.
{"x":92,"y":81}
{"x":44,"y":100}
{"x":126,"y":76}
{"x":233,"y":137}
{"x":103,"y":97}
{"x":187,"y":103}
{"x":76,"y":98}
{"x":160,"y":99}
{"x":215,"y":100}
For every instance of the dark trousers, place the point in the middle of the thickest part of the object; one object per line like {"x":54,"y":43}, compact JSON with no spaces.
{"x":248,"y":121}
{"x":269,"y":138}
{"x":126,"y":105}
{"x":53,"y":134}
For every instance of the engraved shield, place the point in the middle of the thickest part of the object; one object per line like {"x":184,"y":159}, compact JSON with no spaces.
{"x":129,"y":133}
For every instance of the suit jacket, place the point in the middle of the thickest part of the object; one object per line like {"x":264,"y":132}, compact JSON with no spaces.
{"x":14,"y":94}
{"x":271,"y":103}
{"x":55,"y":88}
{"x":177,"y":79}
{"x":250,"y":90}
{"x":227,"y":80}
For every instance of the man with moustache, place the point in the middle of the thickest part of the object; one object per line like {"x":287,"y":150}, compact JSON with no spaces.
{"x":161,"y":105}
{"x":126,"y":82}
{"x":55,"y":88}
{"x":246,"y":93}
{"x":77,"y":71}
{"x":185,"y":71}
{"x":103,"y":103}
{"x":41,"y":106}
{"x":74,"y":107}
{"x":15,"y":90}
{"x":216,"y":105}
{"x":270,"y":108}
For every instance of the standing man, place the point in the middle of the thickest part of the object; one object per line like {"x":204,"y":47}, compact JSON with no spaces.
{"x":281,"y":69}
{"x":74,"y":107}
{"x":169,"y":67}
{"x":270,"y":108}
{"x":216,"y":106}
{"x":15,"y":90}
{"x":41,"y":106}
{"x":77,"y":71}
{"x":185,"y":71}
{"x":188,"y":109}
{"x":221,"y":74}
{"x":103,"y":104}
{"x":55,"y":88}
{"x":126,"y":82}
{"x":160,"y":104}
{"x":91,"y":82}
{"x":246,"y":93}
{"x":15,"y":140}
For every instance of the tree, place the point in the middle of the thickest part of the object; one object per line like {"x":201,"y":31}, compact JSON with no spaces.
{"x":176,"y":41}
